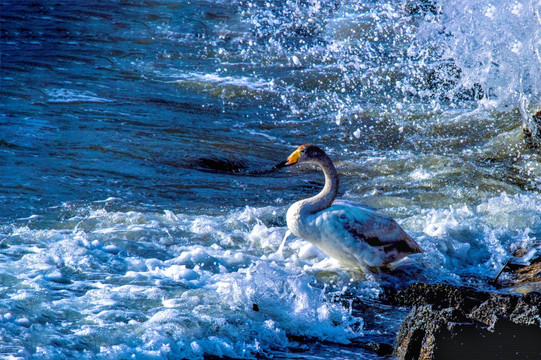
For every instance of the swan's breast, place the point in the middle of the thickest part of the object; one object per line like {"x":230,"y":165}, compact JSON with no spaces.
{"x":294,"y":221}
{"x":325,"y":231}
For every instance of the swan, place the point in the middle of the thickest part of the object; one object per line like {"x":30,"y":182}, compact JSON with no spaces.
{"x":354,"y":234}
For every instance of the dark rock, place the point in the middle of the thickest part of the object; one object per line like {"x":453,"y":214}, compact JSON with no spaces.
{"x":439,"y":295}
{"x":518,"y":309}
{"x":436,"y":334}
{"x":450,"y":334}
{"x":381,"y":349}
{"x":450,"y":322}
{"x":533,"y":298}
{"x":532,"y":131}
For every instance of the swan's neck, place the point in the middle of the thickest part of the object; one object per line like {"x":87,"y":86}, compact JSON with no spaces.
{"x":325,"y":198}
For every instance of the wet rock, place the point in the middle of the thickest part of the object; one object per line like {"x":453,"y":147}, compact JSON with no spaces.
{"x":438,"y":295}
{"x":381,"y":349}
{"x":522,"y":278}
{"x":528,"y":274}
{"x":522,"y":310}
{"x":428,"y":333}
{"x":532,"y":131}
{"x":450,"y":322}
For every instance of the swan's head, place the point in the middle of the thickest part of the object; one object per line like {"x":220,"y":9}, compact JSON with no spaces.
{"x":305,"y":154}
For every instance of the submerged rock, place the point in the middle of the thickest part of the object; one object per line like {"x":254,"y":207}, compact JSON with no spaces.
{"x":532,"y":131}
{"x":422,"y":7}
{"x":379,"y":348}
{"x":450,"y":322}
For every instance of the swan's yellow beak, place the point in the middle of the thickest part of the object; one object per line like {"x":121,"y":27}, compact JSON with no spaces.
{"x":293,"y":158}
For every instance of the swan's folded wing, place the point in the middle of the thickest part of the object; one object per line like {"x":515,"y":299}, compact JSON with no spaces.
{"x":378,"y":230}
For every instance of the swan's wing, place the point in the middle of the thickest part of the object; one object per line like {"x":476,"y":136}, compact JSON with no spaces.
{"x":377,"y":230}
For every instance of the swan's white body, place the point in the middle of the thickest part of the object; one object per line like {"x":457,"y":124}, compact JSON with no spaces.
{"x":354,"y":234}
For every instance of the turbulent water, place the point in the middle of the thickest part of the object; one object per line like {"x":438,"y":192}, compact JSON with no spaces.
{"x":139,"y":213}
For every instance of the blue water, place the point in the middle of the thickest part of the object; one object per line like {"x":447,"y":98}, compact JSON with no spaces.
{"x":139,"y":214}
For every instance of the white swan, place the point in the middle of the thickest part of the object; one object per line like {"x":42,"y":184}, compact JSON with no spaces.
{"x":354,"y":234}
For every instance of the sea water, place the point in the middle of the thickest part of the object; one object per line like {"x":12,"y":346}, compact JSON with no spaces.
{"x":139,"y":215}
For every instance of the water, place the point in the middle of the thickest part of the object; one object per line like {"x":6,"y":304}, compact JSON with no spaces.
{"x":139,"y":218}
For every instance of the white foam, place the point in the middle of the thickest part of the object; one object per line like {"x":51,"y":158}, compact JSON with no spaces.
{"x":199,"y":301}
{"x":218,"y":289}
{"x":420,"y":174}
{"x":463,"y":241}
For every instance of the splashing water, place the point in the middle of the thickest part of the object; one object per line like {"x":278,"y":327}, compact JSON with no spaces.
{"x":506,"y":63}
{"x":174,"y":111}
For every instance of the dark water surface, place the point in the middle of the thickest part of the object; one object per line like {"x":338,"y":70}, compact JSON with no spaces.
{"x":90,"y":111}
{"x":139,"y":213}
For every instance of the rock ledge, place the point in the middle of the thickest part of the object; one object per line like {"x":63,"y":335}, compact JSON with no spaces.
{"x":448,"y":322}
